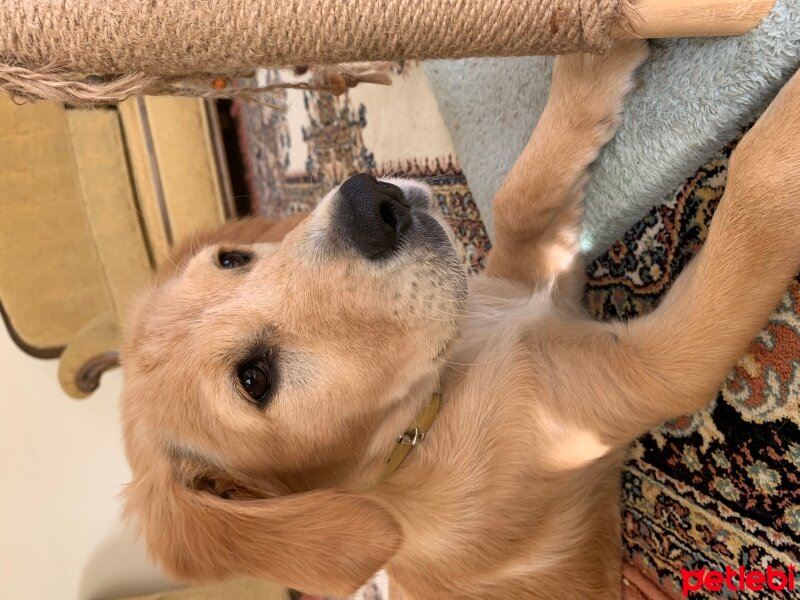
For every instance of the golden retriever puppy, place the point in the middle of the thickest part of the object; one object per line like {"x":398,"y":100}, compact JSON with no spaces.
{"x":344,"y":400}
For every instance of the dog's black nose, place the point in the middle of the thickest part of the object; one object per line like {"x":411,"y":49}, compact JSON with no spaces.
{"x":373,"y":214}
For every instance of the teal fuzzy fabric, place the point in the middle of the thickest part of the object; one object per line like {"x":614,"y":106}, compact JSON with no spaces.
{"x":697,"y":94}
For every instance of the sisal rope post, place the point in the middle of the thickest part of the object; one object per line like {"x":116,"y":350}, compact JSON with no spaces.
{"x":83,"y":52}
{"x":79,"y":51}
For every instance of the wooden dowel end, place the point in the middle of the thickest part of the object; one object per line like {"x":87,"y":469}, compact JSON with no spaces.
{"x":693,"y":18}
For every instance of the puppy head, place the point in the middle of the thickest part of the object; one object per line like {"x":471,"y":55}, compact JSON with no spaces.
{"x":258,"y":374}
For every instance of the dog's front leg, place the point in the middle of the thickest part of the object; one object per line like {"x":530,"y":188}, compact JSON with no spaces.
{"x":624,"y":378}
{"x":538,"y":208}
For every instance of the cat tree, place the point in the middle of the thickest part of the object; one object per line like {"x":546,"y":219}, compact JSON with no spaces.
{"x":79,"y":51}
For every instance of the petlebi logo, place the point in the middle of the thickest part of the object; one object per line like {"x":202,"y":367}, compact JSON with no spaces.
{"x":738,"y":580}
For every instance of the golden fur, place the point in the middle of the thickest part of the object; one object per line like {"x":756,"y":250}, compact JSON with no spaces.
{"x":515,"y":492}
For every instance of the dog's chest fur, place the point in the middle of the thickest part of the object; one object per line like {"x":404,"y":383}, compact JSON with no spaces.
{"x":499,"y":488}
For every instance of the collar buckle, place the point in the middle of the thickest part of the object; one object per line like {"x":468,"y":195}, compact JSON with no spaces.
{"x":417,"y":431}
{"x":411,"y":437}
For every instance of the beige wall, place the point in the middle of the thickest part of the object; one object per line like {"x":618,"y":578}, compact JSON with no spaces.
{"x":61,"y":469}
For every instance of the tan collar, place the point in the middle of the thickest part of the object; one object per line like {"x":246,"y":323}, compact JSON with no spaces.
{"x":414,"y":434}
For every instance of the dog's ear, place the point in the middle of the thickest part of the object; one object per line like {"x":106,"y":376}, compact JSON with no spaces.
{"x":323,"y":542}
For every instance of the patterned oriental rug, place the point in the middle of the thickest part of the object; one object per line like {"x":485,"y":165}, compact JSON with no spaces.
{"x":718,"y":488}
{"x":714,"y":489}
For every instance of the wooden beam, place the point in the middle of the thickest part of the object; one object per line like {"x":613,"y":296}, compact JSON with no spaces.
{"x":692,"y":18}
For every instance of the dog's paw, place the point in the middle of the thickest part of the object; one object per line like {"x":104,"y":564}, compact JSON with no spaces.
{"x":593,"y":88}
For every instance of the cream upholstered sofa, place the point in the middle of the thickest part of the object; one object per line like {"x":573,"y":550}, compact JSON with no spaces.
{"x":90,"y":202}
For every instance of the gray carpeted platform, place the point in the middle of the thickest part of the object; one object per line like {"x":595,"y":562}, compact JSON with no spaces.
{"x":697,"y":94}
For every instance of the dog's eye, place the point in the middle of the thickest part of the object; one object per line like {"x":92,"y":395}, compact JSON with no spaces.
{"x":233,"y":260}
{"x":255,"y":379}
